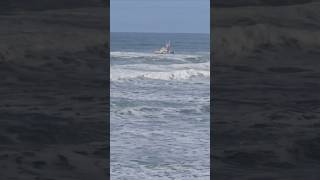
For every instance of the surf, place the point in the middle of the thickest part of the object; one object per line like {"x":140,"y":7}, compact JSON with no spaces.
{"x":118,"y":55}
{"x":161,"y":72}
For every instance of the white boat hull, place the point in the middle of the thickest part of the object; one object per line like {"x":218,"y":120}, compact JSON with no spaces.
{"x":165,"y":50}
{"x":158,"y":52}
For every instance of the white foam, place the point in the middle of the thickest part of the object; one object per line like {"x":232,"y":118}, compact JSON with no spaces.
{"x":160,"y":72}
{"x":130,"y":55}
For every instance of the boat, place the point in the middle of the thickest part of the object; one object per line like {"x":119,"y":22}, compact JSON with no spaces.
{"x":167,"y":49}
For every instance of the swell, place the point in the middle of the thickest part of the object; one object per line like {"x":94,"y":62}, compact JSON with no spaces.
{"x":239,"y":3}
{"x":35,"y":5}
{"x":244,"y":30}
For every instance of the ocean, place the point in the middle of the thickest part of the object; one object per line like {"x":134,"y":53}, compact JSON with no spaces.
{"x":159,"y":107}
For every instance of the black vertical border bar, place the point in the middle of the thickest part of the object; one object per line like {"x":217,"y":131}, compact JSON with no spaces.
{"x":107,"y":29}
{"x":211,"y":88}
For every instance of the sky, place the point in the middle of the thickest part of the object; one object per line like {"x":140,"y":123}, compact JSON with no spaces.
{"x":166,"y":16}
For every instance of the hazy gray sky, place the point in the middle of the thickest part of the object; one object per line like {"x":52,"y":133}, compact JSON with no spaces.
{"x":160,"y":16}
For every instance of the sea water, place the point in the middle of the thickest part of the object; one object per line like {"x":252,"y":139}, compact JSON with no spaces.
{"x":160,"y":107}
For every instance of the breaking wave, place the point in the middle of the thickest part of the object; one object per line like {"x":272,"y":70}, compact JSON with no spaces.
{"x":151,"y":56}
{"x":161,"y":72}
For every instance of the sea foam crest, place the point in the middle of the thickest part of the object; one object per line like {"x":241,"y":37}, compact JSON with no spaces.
{"x":135,"y":55}
{"x":161,"y":72}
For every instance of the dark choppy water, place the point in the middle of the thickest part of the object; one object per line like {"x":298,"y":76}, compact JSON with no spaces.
{"x":160,"y":107}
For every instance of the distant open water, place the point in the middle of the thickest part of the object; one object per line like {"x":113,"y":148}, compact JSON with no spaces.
{"x":160,"y":107}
